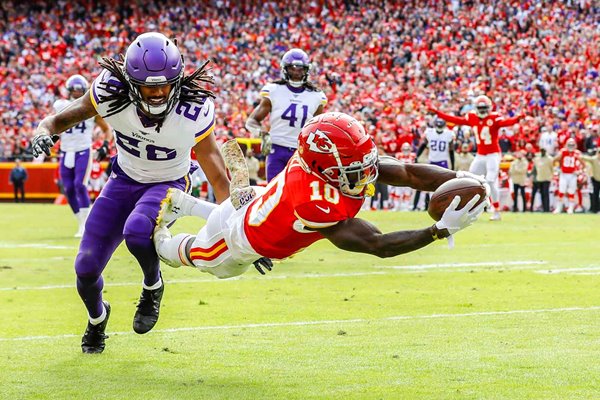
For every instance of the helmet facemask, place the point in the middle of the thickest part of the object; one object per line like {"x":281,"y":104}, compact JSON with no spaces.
{"x":150,"y":110}
{"x":353,"y":178}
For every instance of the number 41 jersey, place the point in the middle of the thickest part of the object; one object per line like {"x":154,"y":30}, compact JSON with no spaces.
{"x":278,"y":222}
{"x":145,"y":155}
{"x":290,"y":109}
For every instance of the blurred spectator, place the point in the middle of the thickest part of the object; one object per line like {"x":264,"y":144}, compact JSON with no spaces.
{"x":518,"y":175}
{"x":463,"y":158}
{"x":18,"y":176}
{"x":594,"y":162}
{"x":543,"y":170}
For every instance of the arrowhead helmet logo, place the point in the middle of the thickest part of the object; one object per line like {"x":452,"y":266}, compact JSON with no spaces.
{"x":319,"y":142}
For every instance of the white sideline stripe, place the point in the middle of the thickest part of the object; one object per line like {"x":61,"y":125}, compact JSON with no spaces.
{"x":321,"y":322}
{"x":459,"y":265}
{"x":6,"y":245}
{"x":592,"y":269}
{"x":207,"y":280}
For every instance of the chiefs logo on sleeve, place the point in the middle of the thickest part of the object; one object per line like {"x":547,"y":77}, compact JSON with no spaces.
{"x":319,"y":142}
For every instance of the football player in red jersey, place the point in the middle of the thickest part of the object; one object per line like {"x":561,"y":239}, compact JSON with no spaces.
{"x":570,"y":162}
{"x":316,"y":196}
{"x":485,"y":125}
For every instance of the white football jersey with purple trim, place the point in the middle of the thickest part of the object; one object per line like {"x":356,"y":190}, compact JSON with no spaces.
{"x":439,"y":144}
{"x":77,"y":138}
{"x":148,"y":156}
{"x":290,"y":109}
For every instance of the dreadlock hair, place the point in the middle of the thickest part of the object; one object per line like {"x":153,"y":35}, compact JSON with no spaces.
{"x":118,"y":97}
{"x":308,"y":85}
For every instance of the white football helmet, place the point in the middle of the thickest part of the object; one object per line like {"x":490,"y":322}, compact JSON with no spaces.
{"x":483,"y":106}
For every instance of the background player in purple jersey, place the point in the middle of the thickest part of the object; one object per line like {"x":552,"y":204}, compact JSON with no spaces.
{"x":75,"y":152}
{"x":291,"y":101}
{"x":158,"y":115}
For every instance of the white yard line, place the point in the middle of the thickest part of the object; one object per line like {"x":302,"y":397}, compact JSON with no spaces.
{"x":398,"y":268}
{"x":208,"y":279}
{"x":590,"y":270}
{"x":8,"y":245}
{"x":460,"y":265}
{"x":321,"y":322}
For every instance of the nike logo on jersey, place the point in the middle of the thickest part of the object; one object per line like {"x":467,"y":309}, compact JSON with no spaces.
{"x":207,"y":111}
{"x":325,"y":210}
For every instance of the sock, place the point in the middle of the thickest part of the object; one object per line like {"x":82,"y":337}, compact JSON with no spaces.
{"x":172,"y":251}
{"x":98,"y":320}
{"x":157,"y":285}
{"x":202,"y":209}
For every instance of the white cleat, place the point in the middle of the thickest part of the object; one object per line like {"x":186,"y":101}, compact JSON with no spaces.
{"x":162,"y":234}
{"x":557,"y":210}
{"x":175,"y":205}
{"x":570,"y":210}
{"x":496,"y":216}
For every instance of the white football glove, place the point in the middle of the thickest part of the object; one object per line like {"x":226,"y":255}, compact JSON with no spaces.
{"x":454,"y":220}
{"x":480,"y":178}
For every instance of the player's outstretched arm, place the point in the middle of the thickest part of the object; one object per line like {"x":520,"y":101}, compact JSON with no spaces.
{"x":450,"y":118}
{"x":360,"y":236}
{"x":417,"y":176}
{"x":79,"y":110}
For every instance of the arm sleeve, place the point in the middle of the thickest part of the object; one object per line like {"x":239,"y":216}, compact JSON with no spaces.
{"x":452,"y":118}
{"x":503,"y":122}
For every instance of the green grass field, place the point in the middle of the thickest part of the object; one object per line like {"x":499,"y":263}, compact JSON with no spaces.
{"x":513,"y":312}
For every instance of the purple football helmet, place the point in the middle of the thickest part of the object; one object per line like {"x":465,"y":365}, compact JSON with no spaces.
{"x":153,"y":60}
{"x":77,"y":82}
{"x":440,"y":125}
{"x":295,"y":58}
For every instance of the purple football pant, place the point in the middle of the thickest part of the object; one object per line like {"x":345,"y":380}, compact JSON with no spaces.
{"x":125,"y":210}
{"x":75,"y":179}
{"x":443,"y":164}
{"x":277,"y":160}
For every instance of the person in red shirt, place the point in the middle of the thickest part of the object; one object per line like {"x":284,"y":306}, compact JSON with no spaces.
{"x":485,"y":125}
{"x":570,"y":163}
{"x":316,"y":196}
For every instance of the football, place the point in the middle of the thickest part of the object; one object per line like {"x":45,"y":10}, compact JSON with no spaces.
{"x":466,"y":188}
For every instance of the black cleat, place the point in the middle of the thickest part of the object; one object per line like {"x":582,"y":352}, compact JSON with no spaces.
{"x":92,"y":341}
{"x":147,"y":310}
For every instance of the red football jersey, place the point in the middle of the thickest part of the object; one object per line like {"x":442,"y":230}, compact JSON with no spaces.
{"x":390,"y":144}
{"x":485,"y":130}
{"x":569,"y":161}
{"x":276,"y":222}
{"x":96,"y":170}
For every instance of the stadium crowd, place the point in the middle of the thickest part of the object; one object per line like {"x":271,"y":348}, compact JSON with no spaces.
{"x":383,"y":61}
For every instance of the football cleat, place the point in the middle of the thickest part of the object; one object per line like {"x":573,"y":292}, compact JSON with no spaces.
{"x":160,"y":236}
{"x":148,"y":309}
{"x":496,"y":216}
{"x":93,"y":339}
{"x":175,"y":205}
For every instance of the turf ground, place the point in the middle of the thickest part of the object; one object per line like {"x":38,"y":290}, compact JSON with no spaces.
{"x":513,"y":312}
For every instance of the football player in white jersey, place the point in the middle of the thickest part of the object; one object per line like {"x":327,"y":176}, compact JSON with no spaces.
{"x":158,"y":114}
{"x":440,"y":141}
{"x":75,"y":152}
{"x":291,"y":101}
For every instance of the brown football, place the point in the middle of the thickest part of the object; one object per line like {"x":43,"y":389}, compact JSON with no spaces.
{"x":466,"y":188}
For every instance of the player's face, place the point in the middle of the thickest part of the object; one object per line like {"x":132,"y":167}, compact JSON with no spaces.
{"x":155,"y":95}
{"x":77,"y":93}
{"x":296,"y":73}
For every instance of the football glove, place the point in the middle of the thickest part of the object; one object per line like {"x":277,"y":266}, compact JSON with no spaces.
{"x":261,"y":263}
{"x":42,"y":144}
{"x":102,"y":151}
{"x":265,"y":143}
{"x":454,"y":220}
